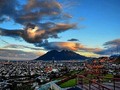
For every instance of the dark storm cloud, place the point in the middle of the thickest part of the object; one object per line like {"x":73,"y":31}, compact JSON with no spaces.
{"x":36,"y":10}
{"x":32,"y":12}
{"x":38,"y":35}
{"x":73,"y":39}
{"x":8,"y":8}
{"x":12,"y":33}
{"x":111,"y":47}
{"x":2,"y":20}
{"x":33,"y":34}
{"x":104,"y":52}
{"x":31,"y":15}
{"x":115,"y":42}
{"x":46,"y":4}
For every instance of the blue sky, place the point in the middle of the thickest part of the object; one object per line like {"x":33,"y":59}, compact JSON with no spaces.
{"x":101,"y":21}
{"x":98,"y":21}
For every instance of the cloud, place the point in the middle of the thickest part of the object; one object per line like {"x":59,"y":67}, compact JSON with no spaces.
{"x":40,"y":53}
{"x":48,"y":4}
{"x":104,"y":52}
{"x":35,"y":16}
{"x":62,"y":46}
{"x":16,"y":55}
{"x":7,"y":8}
{"x":4,"y":41}
{"x":112,"y":43}
{"x":2,"y":19}
{"x":67,"y":46}
{"x":67,"y":15}
{"x":73,"y":46}
{"x":20,"y":47}
{"x":88,"y":54}
{"x":70,"y":3}
{"x":36,"y":11}
{"x":73,"y":39}
{"x":32,"y":11}
{"x":33,"y":34}
{"x":94,"y":50}
{"x":111,"y":47}
{"x":12,"y":33}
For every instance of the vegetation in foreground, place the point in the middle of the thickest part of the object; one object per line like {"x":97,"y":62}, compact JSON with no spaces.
{"x":69,"y":83}
{"x":73,"y":82}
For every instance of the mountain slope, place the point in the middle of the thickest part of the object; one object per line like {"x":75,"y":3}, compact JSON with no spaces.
{"x":62,"y":55}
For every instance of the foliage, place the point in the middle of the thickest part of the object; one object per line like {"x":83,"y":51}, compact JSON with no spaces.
{"x":69,"y":83}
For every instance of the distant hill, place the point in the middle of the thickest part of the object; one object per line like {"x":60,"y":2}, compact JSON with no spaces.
{"x":61,"y":55}
{"x":115,"y":56}
{"x":118,"y":59}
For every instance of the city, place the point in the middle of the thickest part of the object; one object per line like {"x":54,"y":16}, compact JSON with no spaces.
{"x":16,"y":74}
{"x":59,"y":45}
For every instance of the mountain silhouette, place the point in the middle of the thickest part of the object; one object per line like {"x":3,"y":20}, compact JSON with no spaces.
{"x":117,"y":57}
{"x":118,"y":60}
{"x":61,"y":55}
